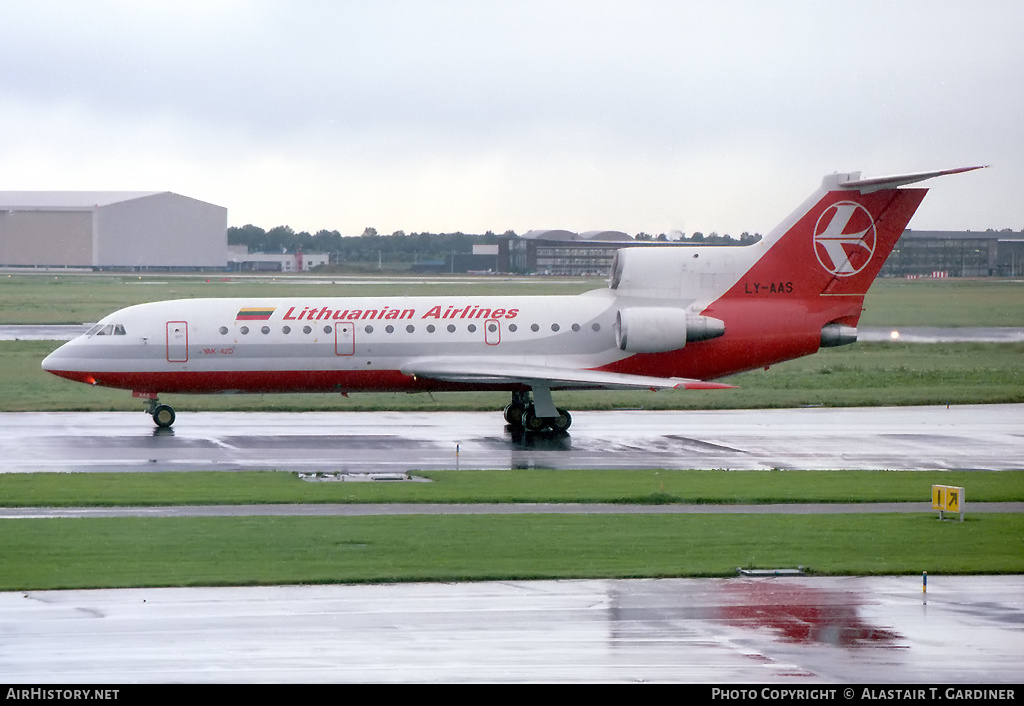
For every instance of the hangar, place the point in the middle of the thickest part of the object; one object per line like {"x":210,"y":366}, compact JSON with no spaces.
{"x":111,"y":229}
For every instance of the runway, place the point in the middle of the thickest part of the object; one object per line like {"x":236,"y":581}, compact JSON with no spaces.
{"x":803,"y":631}
{"x":968,"y":437}
{"x":800,"y":630}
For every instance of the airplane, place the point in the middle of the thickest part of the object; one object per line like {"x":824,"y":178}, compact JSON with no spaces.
{"x":671,"y":317}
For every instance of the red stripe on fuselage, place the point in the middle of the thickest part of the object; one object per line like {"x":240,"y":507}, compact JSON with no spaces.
{"x":257,"y":381}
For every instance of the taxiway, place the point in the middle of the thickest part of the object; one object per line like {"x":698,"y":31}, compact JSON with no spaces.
{"x":806,"y":630}
{"x":967,"y":437}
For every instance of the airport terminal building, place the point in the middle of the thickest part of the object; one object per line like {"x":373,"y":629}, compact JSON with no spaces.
{"x":917,"y":253}
{"x":111,"y":230}
{"x":929,"y":253}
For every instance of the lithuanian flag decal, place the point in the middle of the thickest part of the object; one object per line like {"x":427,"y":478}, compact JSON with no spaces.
{"x":259,"y":313}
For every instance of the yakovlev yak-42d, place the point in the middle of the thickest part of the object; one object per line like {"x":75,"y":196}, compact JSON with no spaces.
{"x":671,"y":317}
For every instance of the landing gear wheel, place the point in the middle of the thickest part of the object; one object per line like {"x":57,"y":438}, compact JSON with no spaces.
{"x":163,"y":416}
{"x":514,"y":413}
{"x":562,"y":422}
{"x":531,"y":422}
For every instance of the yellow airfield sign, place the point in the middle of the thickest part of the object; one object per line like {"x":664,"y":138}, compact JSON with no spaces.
{"x":948,"y":498}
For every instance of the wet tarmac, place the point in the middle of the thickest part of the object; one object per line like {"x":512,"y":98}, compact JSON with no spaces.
{"x":804,"y":630}
{"x":795,"y":630}
{"x":967,"y":437}
{"x":41,"y":332}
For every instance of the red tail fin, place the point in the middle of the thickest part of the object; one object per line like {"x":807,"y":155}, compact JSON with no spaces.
{"x":837,"y":242}
{"x":802,"y":287}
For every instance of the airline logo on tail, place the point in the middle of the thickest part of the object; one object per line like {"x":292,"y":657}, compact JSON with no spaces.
{"x":844,"y":238}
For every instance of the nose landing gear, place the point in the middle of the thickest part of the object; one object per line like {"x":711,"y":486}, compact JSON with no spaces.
{"x":163,"y":414}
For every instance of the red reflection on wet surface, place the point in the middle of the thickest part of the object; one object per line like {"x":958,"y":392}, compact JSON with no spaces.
{"x":803,"y":614}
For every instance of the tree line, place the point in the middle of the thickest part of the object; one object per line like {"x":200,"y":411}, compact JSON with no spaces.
{"x":407,"y":247}
{"x":370,"y":246}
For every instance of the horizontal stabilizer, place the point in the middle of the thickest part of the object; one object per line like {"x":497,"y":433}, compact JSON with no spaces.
{"x":891,"y":182}
{"x":492,"y":373}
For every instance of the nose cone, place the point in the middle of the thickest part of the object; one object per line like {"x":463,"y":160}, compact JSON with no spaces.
{"x":61,"y":363}
{"x":51,"y":362}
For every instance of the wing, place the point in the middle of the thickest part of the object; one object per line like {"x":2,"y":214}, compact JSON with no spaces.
{"x":469,"y":372}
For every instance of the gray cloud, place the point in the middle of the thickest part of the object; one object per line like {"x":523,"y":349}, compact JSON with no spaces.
{"x":638,"y":115}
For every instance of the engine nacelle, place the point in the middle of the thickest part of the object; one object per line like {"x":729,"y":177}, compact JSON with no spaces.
{"x":651,"y":329}
{"x":837,"y":335}
{"x":640,"y":268}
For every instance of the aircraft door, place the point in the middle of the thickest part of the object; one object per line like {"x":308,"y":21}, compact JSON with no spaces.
{"x":177,"y":341}
{"x":345,"y":338}
{"x":492,"y":332}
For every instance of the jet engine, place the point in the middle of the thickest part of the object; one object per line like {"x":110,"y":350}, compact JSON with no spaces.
{"x":652,"y":329}
{"x":836,"y":334}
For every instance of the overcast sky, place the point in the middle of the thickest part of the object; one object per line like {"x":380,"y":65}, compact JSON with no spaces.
{"x":475,"y":115}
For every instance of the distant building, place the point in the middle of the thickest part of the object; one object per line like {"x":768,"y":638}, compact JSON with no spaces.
{"x":241,"y":260}
{"x":928,"y":253}
{"x":562,"y":252}
{"x":917,"y":253}
{"x":111,"y":230}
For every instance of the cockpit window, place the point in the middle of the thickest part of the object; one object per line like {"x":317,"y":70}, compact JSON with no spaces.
{"x":106,"y":330}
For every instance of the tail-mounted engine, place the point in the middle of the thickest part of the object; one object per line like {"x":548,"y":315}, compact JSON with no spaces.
{"x":650,"y":329}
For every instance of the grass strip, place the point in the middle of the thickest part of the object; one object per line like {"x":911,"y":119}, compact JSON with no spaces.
{"x":136,"y":552}
{"x":77,"y":298}
{"x":864,"y":374}
{"x":525,"y":486}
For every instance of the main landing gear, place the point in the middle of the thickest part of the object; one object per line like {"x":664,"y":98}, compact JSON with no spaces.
{"x":537,"y":415}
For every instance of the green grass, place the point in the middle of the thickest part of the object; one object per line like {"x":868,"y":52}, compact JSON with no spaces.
{"x":64,"y":554}
{"x":58,"y":553}
{"x":945,"y":302}
{"x":858,"y":375}
{"x":526,"y":486}
{"x":864,"y":374}
{"x":77,"y":298}
{"x":133,"y":552}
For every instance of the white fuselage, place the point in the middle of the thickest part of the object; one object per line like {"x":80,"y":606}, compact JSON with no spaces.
{"x":185,"y":345}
